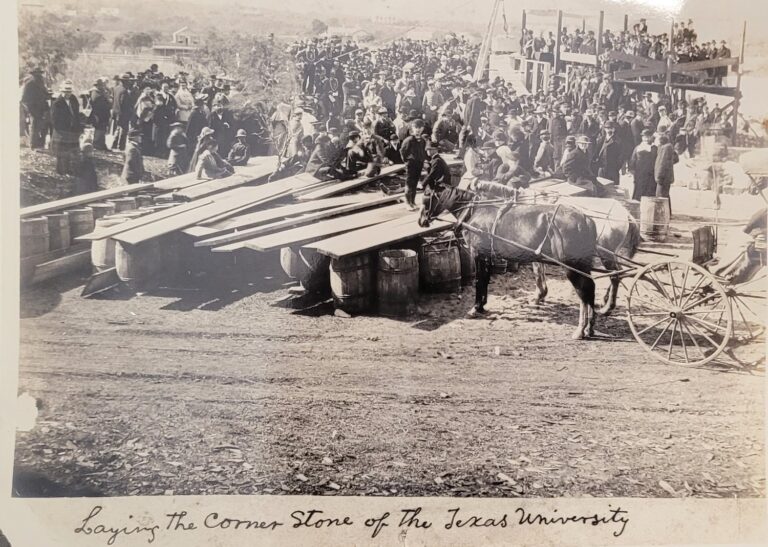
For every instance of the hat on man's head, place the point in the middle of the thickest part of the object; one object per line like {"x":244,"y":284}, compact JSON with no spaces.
{"x":570,"y":139}
{"x":206,"y":132}
{"x":383,"y":110}
{"x":646,"y":132}
{"x":354,"y":134}
{"x":176,"y":124}
{"x":499,"y":135}
{"x":36,"y":70}
{"x":610,"y":125}
{"x":241,"y":133}
{"x":612,"y":113}
{"x":431,"y":145}
{"x":544,"y":133}
{"x":66,"y":85}
{"x":583,"y":139}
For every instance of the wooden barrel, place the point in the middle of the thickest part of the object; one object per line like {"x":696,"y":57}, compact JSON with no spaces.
{"x":440,"y":267}
{"x":352,"y":282}
{"x":80,"y":221}
{"x":308,"y":266}
{"x":103,"y":250}
{"x":468,"y":266}
{"x":35,"y":238}
{"x":58,"y":231}
{"x":397,"y":282}
{"x":101,"y":209}
{"x":124,"y":204}
{"x":499,"y":266}
{"x":654,"y":218}
{"x":143,"y":200}
{"x":137,"y":264}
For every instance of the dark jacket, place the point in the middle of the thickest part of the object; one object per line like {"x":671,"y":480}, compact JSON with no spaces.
{"x":664,"y":171}
{"x":65,"y":117}
{"x":34,"y":96}
{"x":133,"y":168}
{"x":239,"y":154}
{"x":413,"y":153}
{"x":439,"y":175}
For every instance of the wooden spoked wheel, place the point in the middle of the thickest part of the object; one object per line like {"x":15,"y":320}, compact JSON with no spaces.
{"x":748,"y":305}
{"x":679,"y":313}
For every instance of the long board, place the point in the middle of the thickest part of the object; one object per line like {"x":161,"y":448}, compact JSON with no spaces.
{"x":180,"y":182}
{"x":92,"y":197}
{"x":103,"y":233}
{"x":380,"y":235}
{"x":293,"y":222}
{"x":226,"y":204}
{"x":305,"y":234}
{"x":347,"y":185}
{"x":211,"y":187}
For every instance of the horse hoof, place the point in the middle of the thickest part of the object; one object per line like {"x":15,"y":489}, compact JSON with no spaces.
{"x":474,"y":312}
{"x":578,"y":335}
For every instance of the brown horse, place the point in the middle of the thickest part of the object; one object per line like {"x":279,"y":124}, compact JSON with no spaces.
{"x":618,"y":236}
{"x":524,"y":234}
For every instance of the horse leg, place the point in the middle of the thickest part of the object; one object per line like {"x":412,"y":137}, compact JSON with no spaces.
{"x":609,"y":300}
{"x":482,"y":276}
{"x":541,"y":284}
{"x":585,"y":289}
{"x":488,"y":272}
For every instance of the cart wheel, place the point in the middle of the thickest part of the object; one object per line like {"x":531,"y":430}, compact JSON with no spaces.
{"x":748,"y":302}
{"x":679,"y":313}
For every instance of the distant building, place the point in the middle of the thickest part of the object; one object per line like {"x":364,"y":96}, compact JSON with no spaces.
{"x":350,"y":33}
{"x":184,"y":42}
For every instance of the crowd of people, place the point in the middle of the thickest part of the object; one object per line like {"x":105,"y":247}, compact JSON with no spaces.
{"x":362,"y":108}
{"x":635,"y":41}
{"x":147,"y":114}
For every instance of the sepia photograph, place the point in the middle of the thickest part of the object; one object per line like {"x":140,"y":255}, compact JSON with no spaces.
{"x":436,"y":249}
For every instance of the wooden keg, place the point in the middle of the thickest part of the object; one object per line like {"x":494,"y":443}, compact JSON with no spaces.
{"x":654,"y":218}
{"x":440,"y":266}
{"x":308,"y":266}
{"x":352,"y":282}
{"x":102,"y":209}
{"x":137,"y":264}
{"x":80,"y":221}
{"x":397,"y":282}
{"x":499,"y":266}
{"x":58,"y":231}
{"x":124,"y":204}
{"x":35,"y":238}
{"x":103,"y":250}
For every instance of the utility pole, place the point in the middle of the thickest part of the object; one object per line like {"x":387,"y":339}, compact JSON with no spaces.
{"x":737,"y":98}
{"x":485,"y":48}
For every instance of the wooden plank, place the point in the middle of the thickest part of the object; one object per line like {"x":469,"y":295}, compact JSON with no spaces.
{"x":638,"y":73}
{"x":229,"y":248}
{"x":60,"y":266}
{"x":211,"y":187}
{"x":583,"y":58}
{"x":544,"y":184}
{"x":68,"y":203}
{"x":180,"y":182}
{"x":345,"y":186}
{"x":635,"y":60}
{"x":305,"y":234}
{"x":29,"y":262}
{"x":275,"y":195}
{"x":141,"y":221}
{"x":274,"y":213}
{"x":294,"y":222}
{"x":100,"y":282}
{"x":243,"y":198}
{"x":565,"y":189}
{"x":381,"y":235}
{"x":704,"y":65}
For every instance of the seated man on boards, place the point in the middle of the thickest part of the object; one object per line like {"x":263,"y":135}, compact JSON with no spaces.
{"x":212,"y":166}
{"x":240,"y":152}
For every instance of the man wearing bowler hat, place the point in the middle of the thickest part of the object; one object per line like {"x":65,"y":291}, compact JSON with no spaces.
{"x":34,"y":102}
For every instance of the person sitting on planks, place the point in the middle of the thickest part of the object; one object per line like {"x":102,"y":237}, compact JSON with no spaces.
{"x":133,"y":168}
{"x":358,"y":157}
{"x":240,"y":153}
{"x":323,"y":162}
{"x":212,"y":166}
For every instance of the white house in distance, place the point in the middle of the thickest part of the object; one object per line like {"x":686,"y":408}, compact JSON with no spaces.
{"x":184,"y":42}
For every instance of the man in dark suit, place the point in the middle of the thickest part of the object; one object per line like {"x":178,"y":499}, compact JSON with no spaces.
{"x":34,"y":101}
{"x":611,"y":156}
{"x":439,"y":174}
{"x":222,"y":122}
{"x":664,"y":169}
{"x":123,"y":109}
{"x":65,"y":117}
{"x":198,"y":118}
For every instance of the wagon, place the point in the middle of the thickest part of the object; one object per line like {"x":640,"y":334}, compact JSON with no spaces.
{"x":682,"y":312}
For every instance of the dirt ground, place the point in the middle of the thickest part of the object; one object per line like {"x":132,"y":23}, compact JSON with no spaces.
{"x":233,"y":390}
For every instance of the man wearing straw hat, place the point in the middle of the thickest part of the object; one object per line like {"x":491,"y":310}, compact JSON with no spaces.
{"x":65,"y":116}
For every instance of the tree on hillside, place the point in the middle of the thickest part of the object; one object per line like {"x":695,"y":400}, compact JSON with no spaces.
{"x":48,"y":41}
{"x":318,"y":27}
{"x":133,"y":42}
